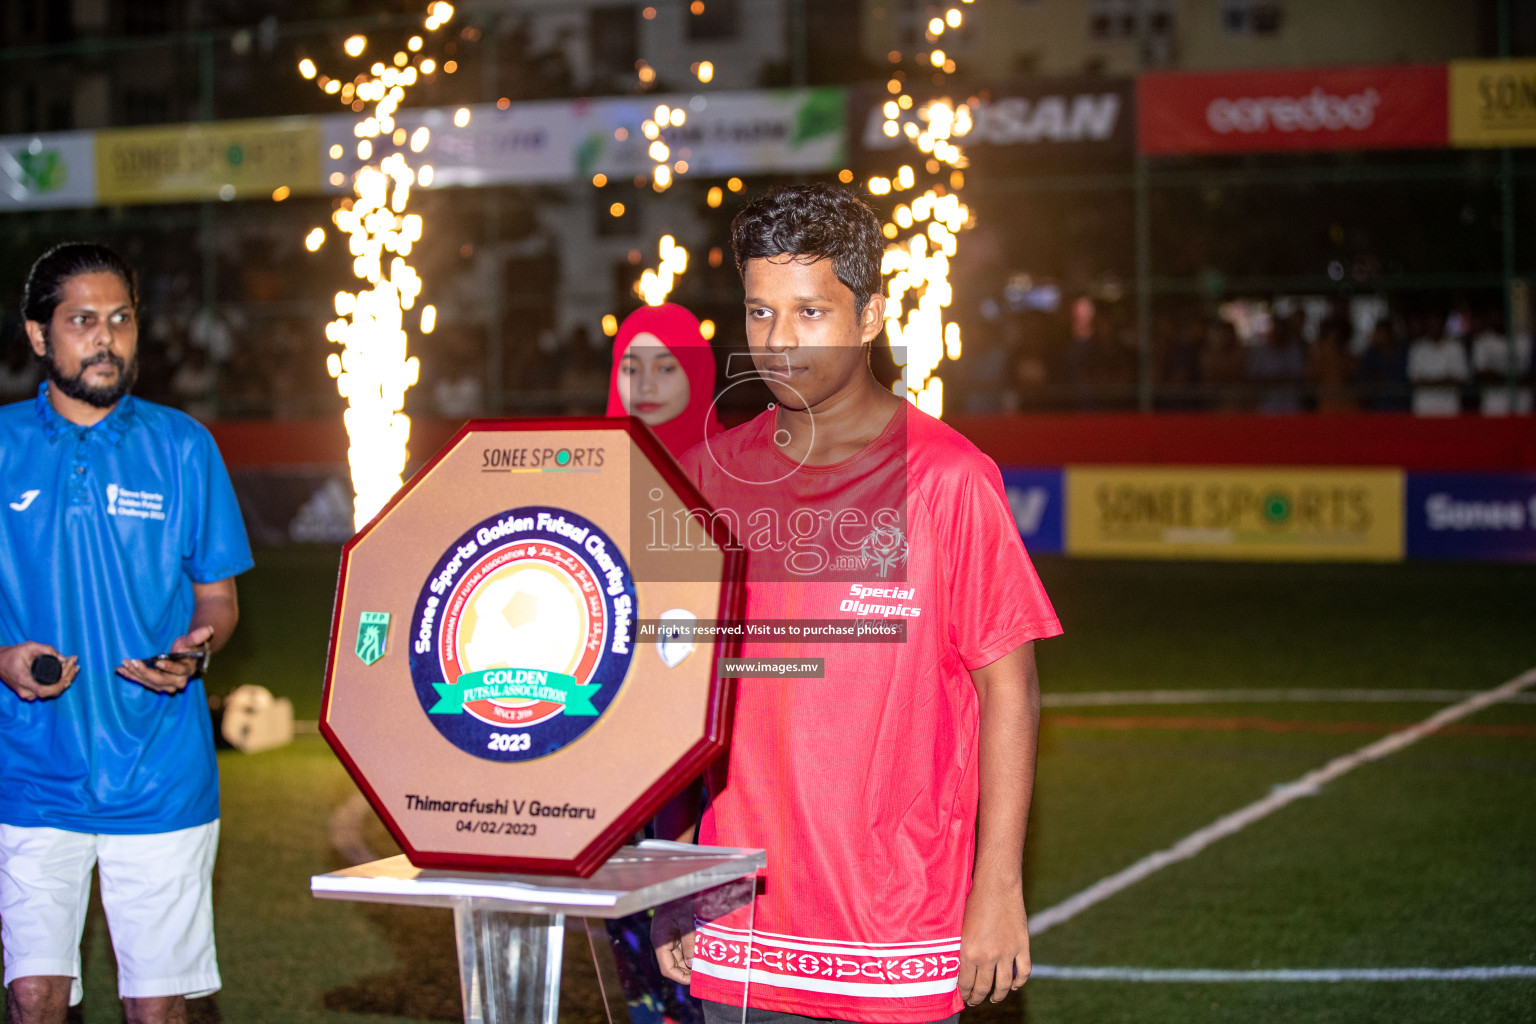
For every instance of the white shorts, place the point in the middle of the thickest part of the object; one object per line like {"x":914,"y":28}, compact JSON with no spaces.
{"x":157,"y":891}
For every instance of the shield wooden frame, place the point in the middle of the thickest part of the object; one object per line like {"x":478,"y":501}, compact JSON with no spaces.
{"x":623,"y":824}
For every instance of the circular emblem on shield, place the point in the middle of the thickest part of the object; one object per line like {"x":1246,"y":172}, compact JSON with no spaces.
{"x":521,"y":637}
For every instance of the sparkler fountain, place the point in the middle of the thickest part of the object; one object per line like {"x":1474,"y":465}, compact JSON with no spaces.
{"x":917,"y":263}
{"x":373,"y":369}
{"x":655,"y":285}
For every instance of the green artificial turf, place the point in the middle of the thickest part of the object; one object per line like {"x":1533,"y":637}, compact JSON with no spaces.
{"x":1421,"y":860}
{"x":1199,"y":625}
{"x":1129,"y":625}
{"x":285,"y":623}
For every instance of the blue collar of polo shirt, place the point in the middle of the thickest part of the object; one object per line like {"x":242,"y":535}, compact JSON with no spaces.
{"x":112,"y":428}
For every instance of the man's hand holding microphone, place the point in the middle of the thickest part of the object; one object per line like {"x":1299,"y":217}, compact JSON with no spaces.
{"x":36,"y":671}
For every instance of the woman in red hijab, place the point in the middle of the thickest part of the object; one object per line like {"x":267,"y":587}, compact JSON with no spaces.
{"x":664,"y":374}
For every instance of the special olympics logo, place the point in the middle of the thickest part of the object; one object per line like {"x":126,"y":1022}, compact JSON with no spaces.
{"x":884,"y":548}
{"x":522,"y":636}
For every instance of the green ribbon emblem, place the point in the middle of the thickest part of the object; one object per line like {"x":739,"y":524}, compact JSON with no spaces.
{"x":519,"y":683}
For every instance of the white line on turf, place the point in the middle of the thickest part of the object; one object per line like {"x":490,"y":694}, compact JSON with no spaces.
{"x":1322,"y":974}
{"x":1114,"y":698}
{"x":1280,"y":796}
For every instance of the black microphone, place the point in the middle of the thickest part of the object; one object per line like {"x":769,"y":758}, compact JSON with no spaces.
{"x":47,"y":669}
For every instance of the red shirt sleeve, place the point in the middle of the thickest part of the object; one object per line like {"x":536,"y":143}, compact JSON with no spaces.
{"x":996,"y":600}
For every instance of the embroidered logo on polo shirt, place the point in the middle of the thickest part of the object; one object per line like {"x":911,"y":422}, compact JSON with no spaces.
{"x":25,"y":502}
{"x":135,"y":504}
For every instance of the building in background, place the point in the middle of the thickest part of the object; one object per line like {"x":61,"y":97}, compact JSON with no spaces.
{"x":523,"y":275}
{"x":1099,"y":274}
{"x":1021,"y":38}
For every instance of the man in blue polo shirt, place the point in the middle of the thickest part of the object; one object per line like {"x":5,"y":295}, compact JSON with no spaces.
{"x":119,"y":540}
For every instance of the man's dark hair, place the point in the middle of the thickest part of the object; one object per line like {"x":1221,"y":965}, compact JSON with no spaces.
{"x":44,"y":289}
{"x":811,"y":223}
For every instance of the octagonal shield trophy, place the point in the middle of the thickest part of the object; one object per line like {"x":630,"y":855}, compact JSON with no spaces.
{"x":519,"y":677}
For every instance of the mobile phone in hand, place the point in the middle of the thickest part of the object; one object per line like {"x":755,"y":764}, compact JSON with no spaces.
{"x":198,"y":658}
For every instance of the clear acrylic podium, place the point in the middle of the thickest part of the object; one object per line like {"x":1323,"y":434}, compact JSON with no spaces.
{"x":511,"y":928}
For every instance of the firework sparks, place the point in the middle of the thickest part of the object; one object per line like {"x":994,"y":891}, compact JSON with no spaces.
{"x":924,"y":232}
{"x":666,"y":165}
{"x":655,"y":285}
{"x":373,"y":369}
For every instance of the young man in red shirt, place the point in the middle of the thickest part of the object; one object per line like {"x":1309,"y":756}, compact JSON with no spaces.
{"x":891,"y":794}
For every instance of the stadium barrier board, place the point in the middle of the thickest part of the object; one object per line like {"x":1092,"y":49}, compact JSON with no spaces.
{"x":1035,"y":499}
{"x":1472,"y":516}
{"x":291,"y":476}
{"x":1276,"y":514}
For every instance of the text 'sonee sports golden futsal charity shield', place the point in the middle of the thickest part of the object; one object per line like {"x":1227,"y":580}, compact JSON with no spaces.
{"x":485,"y":686}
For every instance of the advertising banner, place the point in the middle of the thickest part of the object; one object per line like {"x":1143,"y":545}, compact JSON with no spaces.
{"x":785,"y":131}
{"x":1483,"y":516}
{"x":1493,"y":103}
{"x":761,"y":132}
{"x":1035,"y":499}
{"x":215,"y":160}
{"x":1262,"y":514}
{"x":1013,"y":124}
{"x":39,"y":172}
{"x":1293,"y":110}
{"x":526,"y":144}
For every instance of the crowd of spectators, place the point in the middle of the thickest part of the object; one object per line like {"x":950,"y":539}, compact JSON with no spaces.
{"x":210,"y":364}
{"x":222,"y":364}
{"x":1284,"y":356}
{"x":1275,"y":357}
{"x":231,"y":365}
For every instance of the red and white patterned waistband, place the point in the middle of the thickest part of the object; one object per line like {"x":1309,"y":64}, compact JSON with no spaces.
{"x":880,"y":970}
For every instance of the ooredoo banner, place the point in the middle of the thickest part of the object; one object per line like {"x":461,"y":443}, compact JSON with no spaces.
{"x":1475,"y":516}
{"x":1293,"y":110}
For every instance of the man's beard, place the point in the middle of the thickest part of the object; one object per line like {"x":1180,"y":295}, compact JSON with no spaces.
{"x":76,"y":387}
